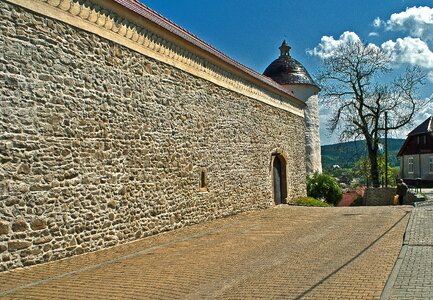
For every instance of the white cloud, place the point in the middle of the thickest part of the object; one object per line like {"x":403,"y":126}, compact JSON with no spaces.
{"x":326,"y":137}
{"x":409,"y":50}
{"x":418,"y":118}
{"x":328,"y":44}
{"x":427,"y":111}
{"x":377,"y":22}
{"x":417,"y":21}
{"x":414,"y":49}
{"x":430,"y":77}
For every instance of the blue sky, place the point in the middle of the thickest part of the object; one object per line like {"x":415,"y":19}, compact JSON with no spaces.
{"x":250,"y":31}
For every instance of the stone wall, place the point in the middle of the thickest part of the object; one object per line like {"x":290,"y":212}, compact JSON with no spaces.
{"x":100,"y":144}
{"x":312,"y":136}
{"x":385,"y":196}
{"x":309,"y":95}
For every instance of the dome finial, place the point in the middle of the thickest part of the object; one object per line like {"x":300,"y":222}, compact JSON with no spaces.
{"x":285,"y":49}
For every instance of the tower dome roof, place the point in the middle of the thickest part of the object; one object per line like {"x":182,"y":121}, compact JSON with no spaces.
{"x":287,"y":70}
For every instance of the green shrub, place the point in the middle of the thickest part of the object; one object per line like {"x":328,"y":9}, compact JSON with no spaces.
{"x":321,"y":186}
{"x":308,"y":201}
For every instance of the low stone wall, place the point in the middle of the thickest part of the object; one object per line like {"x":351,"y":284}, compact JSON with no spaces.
{"x":101,"y":145}
{"x":385,"y":196}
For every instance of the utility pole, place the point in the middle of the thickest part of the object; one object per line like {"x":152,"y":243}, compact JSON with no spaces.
{"x":386,"y":149}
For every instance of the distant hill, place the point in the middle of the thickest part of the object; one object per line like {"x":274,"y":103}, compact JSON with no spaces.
{"x":346,"y":154}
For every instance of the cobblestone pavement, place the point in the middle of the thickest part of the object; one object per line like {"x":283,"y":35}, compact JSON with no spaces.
{"x":412,"y":277}
{"x":428,"y":193}
{"x":280,"y":253}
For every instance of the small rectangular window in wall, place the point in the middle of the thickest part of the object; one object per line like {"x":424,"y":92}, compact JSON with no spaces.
{"x":410,"y":165}
{"x":430,"y":164}
{"x":203,"y":180}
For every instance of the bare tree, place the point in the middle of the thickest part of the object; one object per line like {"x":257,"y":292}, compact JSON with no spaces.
{"x":352,"y":84}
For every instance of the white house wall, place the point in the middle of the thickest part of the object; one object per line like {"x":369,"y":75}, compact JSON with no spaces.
{"x":420,"y":170}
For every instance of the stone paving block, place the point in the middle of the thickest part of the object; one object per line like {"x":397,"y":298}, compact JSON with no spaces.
{"x":284,"y":253}
{"x":414,"y":275}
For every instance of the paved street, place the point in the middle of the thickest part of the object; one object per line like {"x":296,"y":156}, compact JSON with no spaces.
{"x":412,"y":277}
{"x":279,"y":253}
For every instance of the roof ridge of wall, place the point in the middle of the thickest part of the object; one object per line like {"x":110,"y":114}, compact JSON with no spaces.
{"x":111,"y":20}
{"x":174,"y":28}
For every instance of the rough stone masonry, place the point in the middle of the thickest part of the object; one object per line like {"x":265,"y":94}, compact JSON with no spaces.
{"x":100,"y":144}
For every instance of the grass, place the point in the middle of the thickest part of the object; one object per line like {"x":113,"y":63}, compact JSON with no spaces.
{"x":308,"y":201}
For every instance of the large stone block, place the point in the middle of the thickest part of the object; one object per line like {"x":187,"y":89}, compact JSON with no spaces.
{"x":18,"y":245}
{"x":19,"y":225}
{"x":42,"y":240}
{"x":38,"y":223}
{"x":4,"y":227}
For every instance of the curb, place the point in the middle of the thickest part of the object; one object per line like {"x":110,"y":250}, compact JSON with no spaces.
{"x":424,"y":203}
{"x":386,"y":293}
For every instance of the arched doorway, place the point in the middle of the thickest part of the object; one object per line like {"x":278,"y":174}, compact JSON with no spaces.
{"x":279,"y":179}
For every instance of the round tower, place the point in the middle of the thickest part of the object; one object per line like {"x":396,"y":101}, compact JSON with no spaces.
{"x":291,"y":74}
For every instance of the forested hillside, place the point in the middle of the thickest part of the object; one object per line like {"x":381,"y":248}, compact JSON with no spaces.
{"x":346,"y":154}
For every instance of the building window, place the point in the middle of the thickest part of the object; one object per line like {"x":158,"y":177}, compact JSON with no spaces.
{"x":430,"y":164}
{"x":410,"y":165}
{"x":203,"y":180}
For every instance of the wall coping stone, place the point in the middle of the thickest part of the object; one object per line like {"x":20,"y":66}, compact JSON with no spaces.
{"x":112,"y":26}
